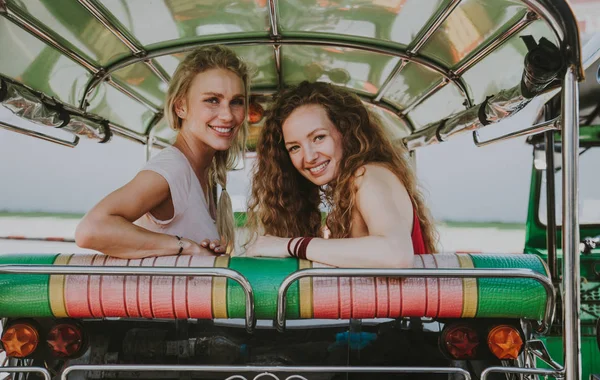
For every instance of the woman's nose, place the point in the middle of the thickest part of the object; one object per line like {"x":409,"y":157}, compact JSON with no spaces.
{"x":310,"y":154}
{"x":225,"y":112}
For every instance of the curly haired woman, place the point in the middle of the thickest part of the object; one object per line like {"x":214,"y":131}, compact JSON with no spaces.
{"x":320,"y":143}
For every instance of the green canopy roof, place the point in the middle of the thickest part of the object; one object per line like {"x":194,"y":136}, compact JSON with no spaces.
{"x":414,"y":62}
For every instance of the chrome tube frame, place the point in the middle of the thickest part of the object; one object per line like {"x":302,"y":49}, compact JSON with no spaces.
{"x":38,"y":135}
{"x":548,"y":17}
{"x":420,"y":273}
{"x":525,"y":371}
{"x":134,"y":46}
{"x":137,"y":97}
{"x":323,"y":41}
{"x":432,"y":26}
{"x":422,"y":37}
{"x":158,"y":70}
{"x":263,"y":369}
{"x":93,"y":8}
{"x":389,"y":80}
{"x":570,"y":223}
{"x":491,"y":46}
{"x":18,"y":19}
{"x":435,"y":88}
{"x":550,"y":204}
{"x":42,"y":371}
{"x":273,"y":22}
{"x":550,"y":125}
{"x":144,"y":271}
{"x":277,"y":56}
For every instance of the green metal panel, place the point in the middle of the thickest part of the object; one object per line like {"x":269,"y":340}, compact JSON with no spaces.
{"x":139,"y":78}
{"x":503,"y":68}
{"x":590,"y":355}
{"x":25,"y":295}
{"x":75,"y":28}
{"x":362,"y":71}
{"x":469,"y":25}
{"x":494,"y":295}
{"x":152,"y":22}
{"x":392,"y":20}
{"x":265,"y":288}
{"x":31,"y":62}
{"x":412,"y":81}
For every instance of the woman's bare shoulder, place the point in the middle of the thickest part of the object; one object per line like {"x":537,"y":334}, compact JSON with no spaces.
{"x":374,"y":172}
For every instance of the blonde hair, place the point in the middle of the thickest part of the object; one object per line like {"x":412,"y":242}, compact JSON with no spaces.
{"x":200,"y":60}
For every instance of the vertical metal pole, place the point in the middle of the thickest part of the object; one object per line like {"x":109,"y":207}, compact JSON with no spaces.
{"x":570,"y":237}
{"x":550,"y":203}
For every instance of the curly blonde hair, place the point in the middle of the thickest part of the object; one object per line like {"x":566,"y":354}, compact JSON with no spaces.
{"x":284,"y":203}
{"x":200,"y":60}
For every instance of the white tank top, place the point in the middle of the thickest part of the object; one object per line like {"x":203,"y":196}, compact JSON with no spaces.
{"x":191,"y":218}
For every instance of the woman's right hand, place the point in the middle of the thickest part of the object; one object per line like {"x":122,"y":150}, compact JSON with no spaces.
{"x":215,"y":246}
{"x":190,"y":247}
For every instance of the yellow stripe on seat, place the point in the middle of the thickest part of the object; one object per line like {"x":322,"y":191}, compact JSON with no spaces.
{"x":219,"y":289}
{"x":56,"y":288}
{"x":470,"y":297}
{"x":306,"y":291}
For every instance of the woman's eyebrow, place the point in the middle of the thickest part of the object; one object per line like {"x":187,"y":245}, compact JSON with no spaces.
{"x":309,"y":135}
{"x":218,"y":95}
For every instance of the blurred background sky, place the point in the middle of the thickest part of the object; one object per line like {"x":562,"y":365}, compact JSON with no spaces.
{"x":460,"y":181}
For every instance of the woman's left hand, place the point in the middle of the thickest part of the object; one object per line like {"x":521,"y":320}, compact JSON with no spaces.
{"x":268,"y":246}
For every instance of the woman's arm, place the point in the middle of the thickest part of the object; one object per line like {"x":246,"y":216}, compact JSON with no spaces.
{"x":387,"y":211}
{"x":109,"y":228}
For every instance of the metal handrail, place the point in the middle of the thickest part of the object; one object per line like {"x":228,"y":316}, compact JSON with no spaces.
{"x":146,"y":271}
{"x":527,"y":371}
{"x":550,"y":125}
{"x":42,"y":371}
{"x":420,"y":273}
{"x":38,"y":135}
{"x":267,"y":369}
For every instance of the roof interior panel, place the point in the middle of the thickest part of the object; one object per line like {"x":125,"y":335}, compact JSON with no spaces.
{"x":184,"y":19}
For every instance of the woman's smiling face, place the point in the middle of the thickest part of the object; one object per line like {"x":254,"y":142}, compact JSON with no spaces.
{"x":313,"y":143}
{"x":214,"y":108}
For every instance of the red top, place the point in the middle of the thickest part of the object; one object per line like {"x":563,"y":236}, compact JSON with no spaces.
{"x":417,"y":236}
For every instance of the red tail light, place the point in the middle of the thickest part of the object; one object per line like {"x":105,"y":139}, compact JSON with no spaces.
{"x":65,"y":340}
{"x":460,"y":341}
{"x":20,"y":340}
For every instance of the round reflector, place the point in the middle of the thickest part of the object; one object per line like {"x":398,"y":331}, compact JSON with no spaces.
{"x":461,"y":342}
{"x":505,"y":342}
{"x":255,"y":113}
{"x":65,"y":340}
{"x":20,"y":340}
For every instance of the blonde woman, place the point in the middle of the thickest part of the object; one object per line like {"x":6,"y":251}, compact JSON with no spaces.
{"x":169,"y":207}
{"x":321,"y":143}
